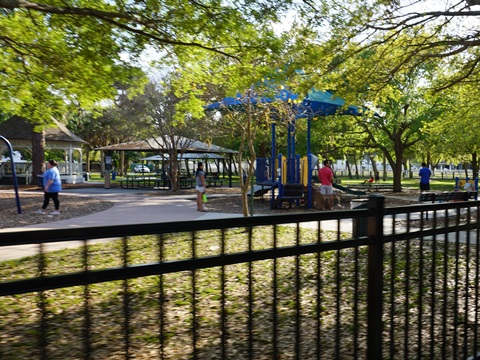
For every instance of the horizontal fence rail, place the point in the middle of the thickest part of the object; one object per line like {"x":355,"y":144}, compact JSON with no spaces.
{"x":366,"y":283}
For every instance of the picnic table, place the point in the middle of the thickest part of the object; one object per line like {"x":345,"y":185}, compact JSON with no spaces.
{"x":213,"y":181}
{"x":140,"y":182}
{"x":447,"y":196}
{"x":186,"y":182}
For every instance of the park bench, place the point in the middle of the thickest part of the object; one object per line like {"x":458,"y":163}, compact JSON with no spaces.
{"x":382,"y":187}
{"x":447,"y":196}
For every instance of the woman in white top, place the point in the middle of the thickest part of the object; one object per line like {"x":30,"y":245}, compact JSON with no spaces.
{"x":200,"y":186}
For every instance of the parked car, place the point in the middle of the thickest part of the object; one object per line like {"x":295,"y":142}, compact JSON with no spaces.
{"x":141,"y":168}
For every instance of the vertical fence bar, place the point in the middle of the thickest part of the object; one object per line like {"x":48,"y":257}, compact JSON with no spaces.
{"x":319,"y":295}
{"x":275,"y":298}
{"x":297,"y":296}
{"x":445,"y":288}
{"x":250,"y":298}
{"x":420,"y":294}
{"x":477,"y":279}
{"x":433,"y":273}
{"x":194,"y":298}
{"x":42,"y":304}
{"x":456,"y":286}
{"x":355,"y":303}
{"x":161,"y":299}
{"x":337,"y":302}
{"x":376,"y":204}
{"x":87,"y":322}
{"x":406,"y":325}
{"x":393,"y":275}
{"x":126,"y":301}
{"x":467,"y":293}
{"x":223,"y":300}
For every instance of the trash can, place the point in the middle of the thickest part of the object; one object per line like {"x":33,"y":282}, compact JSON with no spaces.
{"x":86,"y":176}
{"x":114,"y":175}
{"x":359,"y":224}
{"x":107,"y":179}
{"x":40,"y":181}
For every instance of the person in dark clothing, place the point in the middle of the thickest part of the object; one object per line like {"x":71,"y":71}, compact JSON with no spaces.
{"x":425,"y":175}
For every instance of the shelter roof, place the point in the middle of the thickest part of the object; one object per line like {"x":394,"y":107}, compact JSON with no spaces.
{"x":19,"y":128}
{"x":159,"y":144}
{"x":184,"y":156}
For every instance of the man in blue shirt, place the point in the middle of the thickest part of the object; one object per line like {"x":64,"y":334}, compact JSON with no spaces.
{"x":425,"y":175}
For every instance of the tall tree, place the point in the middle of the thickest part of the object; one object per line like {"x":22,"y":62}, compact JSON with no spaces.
{"x":60,"y":54}
{"x":433,"y":30}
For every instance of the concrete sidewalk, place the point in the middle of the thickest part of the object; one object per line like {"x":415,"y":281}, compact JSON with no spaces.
{"x":129,"y":207}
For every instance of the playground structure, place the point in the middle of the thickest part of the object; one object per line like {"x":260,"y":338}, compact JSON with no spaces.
{"x":289,"y":175}
{"x":460,"y":184}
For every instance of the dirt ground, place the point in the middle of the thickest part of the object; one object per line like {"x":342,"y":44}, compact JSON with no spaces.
{"x":224,"y":200}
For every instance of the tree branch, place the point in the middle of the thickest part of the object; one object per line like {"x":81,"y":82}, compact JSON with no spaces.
{"x":114,"y":18}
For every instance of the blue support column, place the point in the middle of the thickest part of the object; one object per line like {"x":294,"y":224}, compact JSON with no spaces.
{"x":309,"y":164}
{"x":273,"y":170}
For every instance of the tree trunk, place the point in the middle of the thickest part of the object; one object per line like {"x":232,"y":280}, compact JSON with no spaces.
{"x":374,"y":166}
{"x":349,"y":169}
{"x":262,"y":150}
{"x":38,"y":154}
{"x":384,"y":168}
{"x":397,"y":176}
{"x":474,"y":165}
{"x":356,"y":165}
{"x":122,"y":163}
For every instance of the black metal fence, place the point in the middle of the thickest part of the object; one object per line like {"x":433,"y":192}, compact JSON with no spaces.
{"x":295,"y":286}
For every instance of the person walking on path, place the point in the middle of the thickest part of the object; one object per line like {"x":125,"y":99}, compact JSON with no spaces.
{"x":425,"y":175}
{"x":52,"y":185}
{"x":200,"y":186}
{"x":325,"y":176}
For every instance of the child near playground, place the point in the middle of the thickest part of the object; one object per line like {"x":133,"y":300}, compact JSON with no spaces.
{"x":325,"y":176}
{"x":369,"y":181}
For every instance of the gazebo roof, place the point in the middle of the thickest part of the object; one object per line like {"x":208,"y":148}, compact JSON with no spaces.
{"x":157,"y":144}
{"x":18,"y":128}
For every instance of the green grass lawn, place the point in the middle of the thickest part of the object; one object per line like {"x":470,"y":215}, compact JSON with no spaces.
{"x":160,"y":307}
{"x":436,"y":184}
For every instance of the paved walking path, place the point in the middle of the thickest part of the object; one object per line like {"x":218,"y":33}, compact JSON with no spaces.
{"x":129,"y":207}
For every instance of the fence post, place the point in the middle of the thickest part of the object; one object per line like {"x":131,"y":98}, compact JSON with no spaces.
{"x":376,"y":204}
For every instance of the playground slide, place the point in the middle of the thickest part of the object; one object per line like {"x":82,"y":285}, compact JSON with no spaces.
{"x":259,"y":190}
{"x":349,"y":191}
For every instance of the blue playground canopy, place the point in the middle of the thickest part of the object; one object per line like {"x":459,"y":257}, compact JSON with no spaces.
{"x":316,"y":103}
{"x":323,"y":103}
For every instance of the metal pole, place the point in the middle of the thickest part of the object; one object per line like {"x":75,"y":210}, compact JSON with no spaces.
{"x":14,"y":173}
{"x":376,"y":205}
{"x":309,"y":164}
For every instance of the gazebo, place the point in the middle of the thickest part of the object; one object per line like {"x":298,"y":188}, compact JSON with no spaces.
{"x":159,"y":145}
{"x":18,"y":131}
